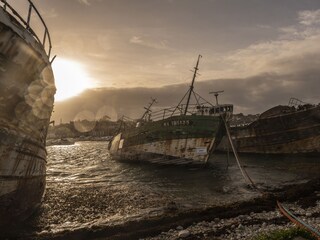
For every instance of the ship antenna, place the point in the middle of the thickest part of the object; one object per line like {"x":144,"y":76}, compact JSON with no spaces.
{"x":216,"y":94}
{"x":192,"y":83}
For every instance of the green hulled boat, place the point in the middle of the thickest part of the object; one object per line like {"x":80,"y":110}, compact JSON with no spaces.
{"x":184,"y":134}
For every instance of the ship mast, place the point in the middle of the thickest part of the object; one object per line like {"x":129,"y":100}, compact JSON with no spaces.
{"x":192,"y":83}
{"x":148,"y":108}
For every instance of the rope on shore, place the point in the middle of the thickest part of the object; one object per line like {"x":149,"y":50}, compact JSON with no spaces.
{"x":285,"y":212}
{"x":297,"y":221}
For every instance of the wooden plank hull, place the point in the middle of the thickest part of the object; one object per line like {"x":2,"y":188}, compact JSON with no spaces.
{"x":26,"y":101}
{"x":23,"y":198}
{"x":293,"y":133}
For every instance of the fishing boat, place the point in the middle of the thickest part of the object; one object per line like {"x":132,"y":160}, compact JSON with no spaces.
{"x":283,"y":129}
{"x":26,"y":101}
{"x":184,"y":134}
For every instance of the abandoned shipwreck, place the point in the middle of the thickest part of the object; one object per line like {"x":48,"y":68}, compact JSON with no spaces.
{"x":183,"y":134}
{"x":26,"y":100}
{"x":290,"y":129}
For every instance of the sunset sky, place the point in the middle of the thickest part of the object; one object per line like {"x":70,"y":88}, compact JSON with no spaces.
{"x":261,"y":52}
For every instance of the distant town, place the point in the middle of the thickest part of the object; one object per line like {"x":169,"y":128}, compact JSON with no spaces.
{"x":84,"y":129}
{"x":104,"y":128}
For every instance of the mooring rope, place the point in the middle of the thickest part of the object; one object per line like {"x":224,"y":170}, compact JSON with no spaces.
{"x":297,"y":221}
{"x":285,"y":212}
{"x":242,"y":170}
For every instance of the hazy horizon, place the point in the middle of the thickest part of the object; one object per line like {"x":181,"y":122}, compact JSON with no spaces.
{"x":116,"y":102}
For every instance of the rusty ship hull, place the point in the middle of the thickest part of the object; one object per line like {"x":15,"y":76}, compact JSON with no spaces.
{"x":178,"y":140}
{"x":290,"y":131}
{"x":26,"y":101}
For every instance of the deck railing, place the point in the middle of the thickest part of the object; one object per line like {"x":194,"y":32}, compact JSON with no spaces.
{"x":46,"y":39}
{"x":192,"y":109}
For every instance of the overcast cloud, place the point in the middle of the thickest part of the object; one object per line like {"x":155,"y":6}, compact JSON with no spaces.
{"x":260,"y":52}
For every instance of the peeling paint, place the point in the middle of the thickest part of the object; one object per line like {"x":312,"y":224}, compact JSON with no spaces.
{"x":163,"y":143}
{"x":294,"y":132}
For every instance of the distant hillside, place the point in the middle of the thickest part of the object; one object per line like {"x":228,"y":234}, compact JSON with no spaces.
{"x":250,"y":96}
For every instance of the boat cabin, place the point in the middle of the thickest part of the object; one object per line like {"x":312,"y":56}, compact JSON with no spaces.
{"x":214,"y":110}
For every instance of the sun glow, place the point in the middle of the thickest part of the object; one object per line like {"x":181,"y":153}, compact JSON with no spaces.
{"x":71,"y":78}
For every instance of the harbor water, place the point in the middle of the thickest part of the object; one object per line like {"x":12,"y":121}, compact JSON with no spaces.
{"x":86,"y":187}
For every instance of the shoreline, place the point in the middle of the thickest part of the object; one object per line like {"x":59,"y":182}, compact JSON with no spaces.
{"x":211,"y":222}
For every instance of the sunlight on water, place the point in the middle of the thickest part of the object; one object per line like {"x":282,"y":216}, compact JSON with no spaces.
{"x":85,"y":186}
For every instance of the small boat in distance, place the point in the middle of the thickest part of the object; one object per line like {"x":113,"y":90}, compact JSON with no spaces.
{"x":26,"y":101}
{"x":291,"y":129}
{"x":61,"y":141}
{"x":183,"y":134}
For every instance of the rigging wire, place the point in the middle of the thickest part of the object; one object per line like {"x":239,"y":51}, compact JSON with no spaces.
{"x":242,"y":170}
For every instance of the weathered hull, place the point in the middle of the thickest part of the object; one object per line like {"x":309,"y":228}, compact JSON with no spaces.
{"x":22,"y":176}
{"x":176,"y":140}
{"x":26,"y":101}
{"x":292,"y":133}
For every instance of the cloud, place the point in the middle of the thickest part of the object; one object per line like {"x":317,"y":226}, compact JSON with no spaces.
{"x":254,"y":78}
{"x":85,"y":2}
{"x":51,"y":13}
{"x":309,"y":17}
{"x":288,"y":32}
{"x":149,"y":42}
{"x":136,"y":40}
{"x":264,"y":26}
{"x":295,"y":49}
{"x":253,"y":94}
{"x":282,"y":57}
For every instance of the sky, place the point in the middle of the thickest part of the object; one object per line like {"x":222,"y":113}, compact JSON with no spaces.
{"x":260,"y":52}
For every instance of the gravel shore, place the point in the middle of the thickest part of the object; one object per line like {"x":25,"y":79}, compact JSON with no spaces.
{"x":241,"y":220}
{"x":243,"y":226}
{"x":247,"y":226}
